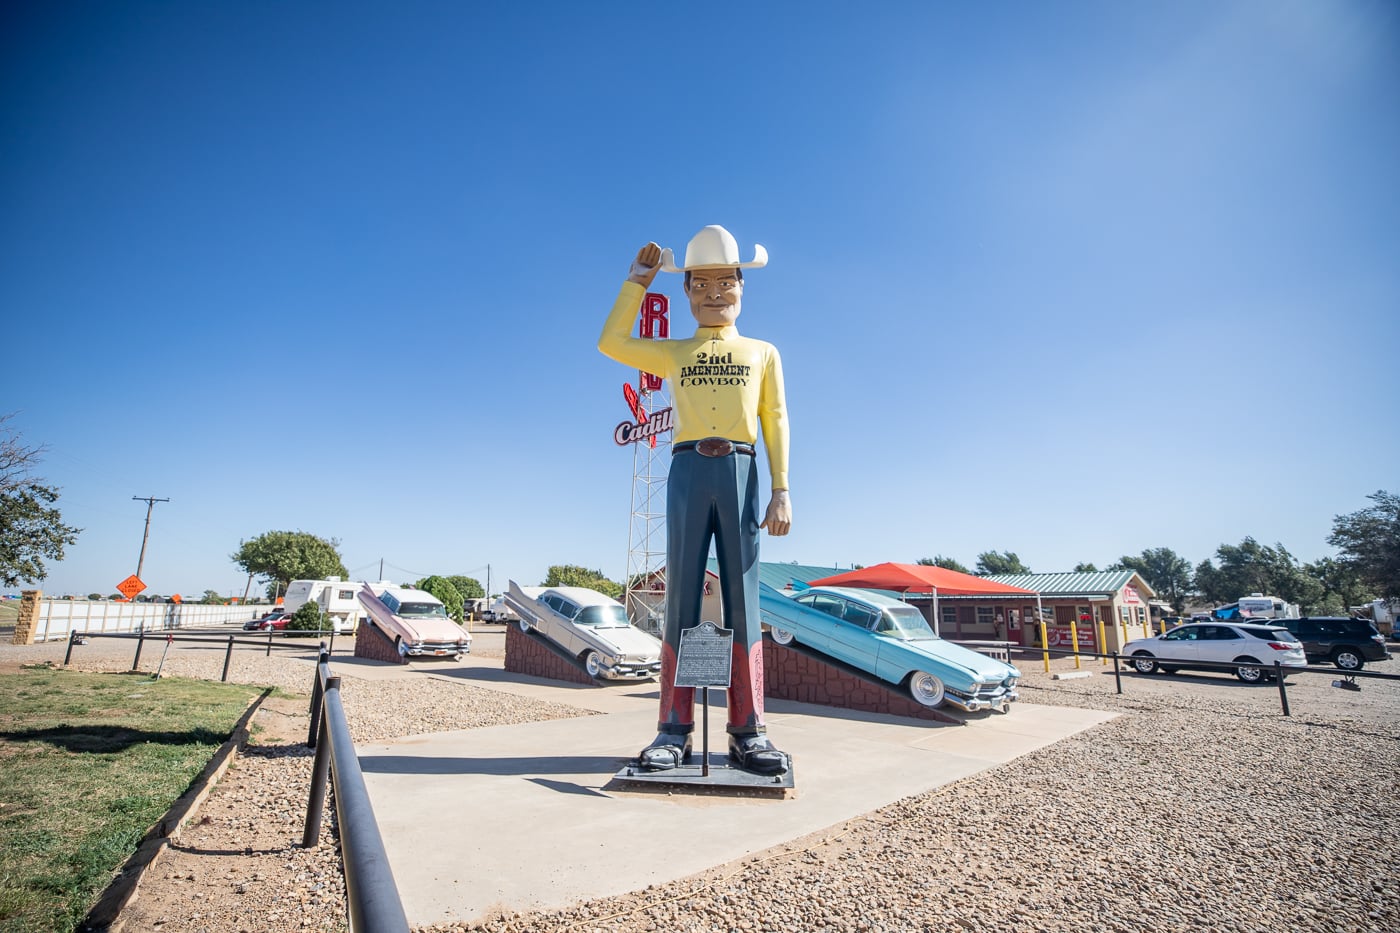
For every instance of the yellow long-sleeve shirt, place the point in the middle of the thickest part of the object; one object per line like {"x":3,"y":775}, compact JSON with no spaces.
{"x":723,"y":384}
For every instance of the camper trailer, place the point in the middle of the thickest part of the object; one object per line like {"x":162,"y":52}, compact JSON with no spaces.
{"x":336,"y":597}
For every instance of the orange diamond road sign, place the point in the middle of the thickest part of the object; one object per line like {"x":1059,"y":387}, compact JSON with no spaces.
{"x":130,"y":586}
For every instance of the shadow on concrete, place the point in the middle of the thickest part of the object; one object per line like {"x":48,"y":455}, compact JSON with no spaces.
{"x":540,"y":765}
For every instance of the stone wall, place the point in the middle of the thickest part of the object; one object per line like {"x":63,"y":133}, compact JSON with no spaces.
{"x":373,"y":644}
{"x":531,"y":654}
{"x":794,"y":674}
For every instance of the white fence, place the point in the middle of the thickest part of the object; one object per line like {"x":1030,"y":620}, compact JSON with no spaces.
{"x":58,"y":617}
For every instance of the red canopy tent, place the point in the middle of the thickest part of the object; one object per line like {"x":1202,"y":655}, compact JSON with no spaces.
{"x":923,"y":578}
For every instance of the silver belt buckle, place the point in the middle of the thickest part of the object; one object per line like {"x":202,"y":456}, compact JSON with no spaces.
{"x":714,"y":447}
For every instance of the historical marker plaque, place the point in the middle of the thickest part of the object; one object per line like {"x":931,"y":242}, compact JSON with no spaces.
{"x":705,"y":656}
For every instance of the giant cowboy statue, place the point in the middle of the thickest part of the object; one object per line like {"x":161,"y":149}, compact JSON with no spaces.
{"x":724,"y":387}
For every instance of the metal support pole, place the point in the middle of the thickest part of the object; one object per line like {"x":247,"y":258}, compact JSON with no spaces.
{"x":320,"y":767}
{"x":228,"y":656}
{"x":1282,"y":692}
{"x":1117,"y":672}
{"x":140,"y":642}
{"x":68,"y":655}
{"x":316,"y":694}
{"x":705,"y":736}
{"x":268,"y":654}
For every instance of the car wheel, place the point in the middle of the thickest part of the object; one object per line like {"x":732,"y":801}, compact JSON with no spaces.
{"x":524,"y":626}
{"x":593,"y":664}
{"x":403,"y":649}
{"x":1144,"y":663}
{"x":1250,"y":673}
{"x":782,"y":636}
{"x":926,"y":689}
{"x":1348,"y":659}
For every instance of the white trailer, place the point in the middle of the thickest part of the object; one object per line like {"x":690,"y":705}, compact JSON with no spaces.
{"x":337,"y":598}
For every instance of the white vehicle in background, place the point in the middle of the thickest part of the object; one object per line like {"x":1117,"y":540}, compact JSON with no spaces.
{"x":589,"y":626}
{"x":336,"y":597}
{"x":499,"y":611}
{"x":416,"y":621}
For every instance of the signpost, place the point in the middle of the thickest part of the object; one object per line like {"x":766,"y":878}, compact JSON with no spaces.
{"x":704,"y":660}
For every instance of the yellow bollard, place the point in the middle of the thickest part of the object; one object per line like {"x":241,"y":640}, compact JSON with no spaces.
{"x":1102,"y":644}
{"x":1074,"y":640}
{"x":1044,"y":646}
{"x":1146,"y":632}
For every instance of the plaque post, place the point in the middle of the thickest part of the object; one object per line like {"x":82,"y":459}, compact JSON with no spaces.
{"x":705,"y":735}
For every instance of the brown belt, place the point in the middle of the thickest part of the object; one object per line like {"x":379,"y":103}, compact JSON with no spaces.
{"x":714,"y":447}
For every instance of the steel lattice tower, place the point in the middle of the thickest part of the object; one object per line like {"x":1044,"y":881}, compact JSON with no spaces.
{"x":646,"y":549}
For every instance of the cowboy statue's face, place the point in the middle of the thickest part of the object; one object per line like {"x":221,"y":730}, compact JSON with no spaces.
{"x":715,"y":296}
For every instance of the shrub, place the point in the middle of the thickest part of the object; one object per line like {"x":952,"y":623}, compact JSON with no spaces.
{"x":443,"y":589}
{"x":306,"y":619}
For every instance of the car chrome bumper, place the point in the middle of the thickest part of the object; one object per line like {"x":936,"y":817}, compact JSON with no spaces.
{"x":437,"y":651}
{"x":632,"y":671}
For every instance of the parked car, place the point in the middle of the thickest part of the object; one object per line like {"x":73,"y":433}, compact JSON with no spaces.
{"x":277,"y":619}
{"x":416,"y":621}
{"x":590,"y":626}
{"x":1347,"y":643}
{"x":892,"y":641}
{"x":1252,"y":647}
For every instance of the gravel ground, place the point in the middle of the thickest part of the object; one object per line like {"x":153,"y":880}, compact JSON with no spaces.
{"x":1200,"y":807}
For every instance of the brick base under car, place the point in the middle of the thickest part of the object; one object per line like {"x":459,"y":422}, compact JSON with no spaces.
{"x":373,"y":644}
{"x":532,"y":655}
{"x":792,"y":673}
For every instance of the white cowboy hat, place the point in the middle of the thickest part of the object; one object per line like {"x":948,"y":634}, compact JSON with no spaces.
{"x":713,"y":248}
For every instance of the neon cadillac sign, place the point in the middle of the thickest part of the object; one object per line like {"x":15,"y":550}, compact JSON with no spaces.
{"x":647,"y":426}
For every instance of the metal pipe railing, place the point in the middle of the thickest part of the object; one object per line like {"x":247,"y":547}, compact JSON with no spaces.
{"x":372,"y":897}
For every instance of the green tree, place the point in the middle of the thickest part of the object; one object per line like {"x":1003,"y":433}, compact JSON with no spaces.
{"x":443,"y":589}
{"x":1341,"y":585}
{"x":991,"y":563}
{"x":307,"y":618}
{"x":1165,"y":571}
{"x":1251,"y":567}
{"x":212,"y":598}
{"x":279,"y":557}
{"x":469,"y":587}
{"x":31,"y":529}
{"x":947,"y":563}
{"x":1369,"y":541}
{"x":574,"y":575}
{"x":1083,"y":567}
{"x":94,"y":596}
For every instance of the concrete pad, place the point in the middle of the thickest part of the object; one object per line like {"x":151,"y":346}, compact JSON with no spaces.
{"x":528,"y":817}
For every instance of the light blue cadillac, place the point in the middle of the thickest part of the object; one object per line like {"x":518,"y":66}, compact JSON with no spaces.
{"x":890,"y":640}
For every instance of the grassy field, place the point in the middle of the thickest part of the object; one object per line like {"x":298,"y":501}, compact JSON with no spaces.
{"x":9,"y":611}
{"x":88,"y":763}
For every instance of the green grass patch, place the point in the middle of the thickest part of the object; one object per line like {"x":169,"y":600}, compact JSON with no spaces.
{"x":88,"y":763}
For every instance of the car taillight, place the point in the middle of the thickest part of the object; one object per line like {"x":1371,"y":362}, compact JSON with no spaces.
{"x":1282,"y":646}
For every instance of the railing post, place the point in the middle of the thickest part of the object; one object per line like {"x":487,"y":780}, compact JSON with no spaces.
{"x":1282,"y":692}
{"x":68,"y":655}
{"x":228,"y":656}
{"x":317,"y":690}
{"x":140,"y":642}
{"x":269,"y":642}
{"x":1117,"y":672}
{"x":320,"y":767}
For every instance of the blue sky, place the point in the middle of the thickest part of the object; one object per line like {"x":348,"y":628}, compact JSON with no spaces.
{"x":1068,"y":279}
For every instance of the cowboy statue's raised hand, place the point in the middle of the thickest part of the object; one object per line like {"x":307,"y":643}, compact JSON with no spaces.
{"x":646,"y":265}
{"x":778,"y":518}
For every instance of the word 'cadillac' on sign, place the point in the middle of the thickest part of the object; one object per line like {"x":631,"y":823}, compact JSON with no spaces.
{"x":661,"y":421}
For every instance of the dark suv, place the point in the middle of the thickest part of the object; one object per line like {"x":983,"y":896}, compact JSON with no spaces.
{"x":1347,"y":643}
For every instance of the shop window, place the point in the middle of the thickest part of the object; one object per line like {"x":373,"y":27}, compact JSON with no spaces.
{"x":950,"y":617}
{"x":1141,"y":615}
{"x":986,"y":615}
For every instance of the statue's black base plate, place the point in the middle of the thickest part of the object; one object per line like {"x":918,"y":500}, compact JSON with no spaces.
{"x":722,"y":774}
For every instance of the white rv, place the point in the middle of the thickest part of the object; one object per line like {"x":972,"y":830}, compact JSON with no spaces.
{"x":336,"y":597}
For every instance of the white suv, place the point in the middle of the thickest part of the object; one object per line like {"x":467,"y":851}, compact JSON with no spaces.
{"x":1253,"y":647}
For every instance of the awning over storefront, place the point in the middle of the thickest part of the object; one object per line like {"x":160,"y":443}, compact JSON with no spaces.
{"x":921,"y":578}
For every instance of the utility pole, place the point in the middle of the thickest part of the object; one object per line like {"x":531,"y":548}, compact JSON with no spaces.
{"x":150,"y":505}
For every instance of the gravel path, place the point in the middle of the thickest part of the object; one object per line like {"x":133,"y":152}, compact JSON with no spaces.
{"x":1201,"y":807}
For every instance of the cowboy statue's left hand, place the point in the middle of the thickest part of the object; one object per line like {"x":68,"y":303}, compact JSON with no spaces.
{"x":778,"y":518}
